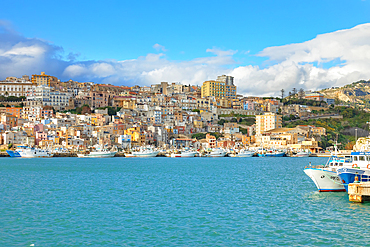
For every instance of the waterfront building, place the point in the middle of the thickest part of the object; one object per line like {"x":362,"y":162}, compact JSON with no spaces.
{"x":211,"y":141}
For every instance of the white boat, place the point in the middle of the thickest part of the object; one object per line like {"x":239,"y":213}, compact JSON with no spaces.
{"x":184,"y":154}
{"x":35,"y":153}
{"x":243,"y":153}
{"x":271,"y":153}
{"x":97,"y":154}
{"x":145,"y":153}
{"x":219,"y":152}
{"x":302,"y":154}
{"x":325,"y":176}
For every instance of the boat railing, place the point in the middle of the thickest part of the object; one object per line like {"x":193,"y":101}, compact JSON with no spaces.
{"x":315,"y":166}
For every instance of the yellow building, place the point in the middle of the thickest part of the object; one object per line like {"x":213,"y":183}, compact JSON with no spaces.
{"x":223,"y":103}
{"x":136,"y":135}
{"x":268,"y":121}
{"x":198,"y":124}
{"x":44,"y":79}
{"x":223,"y":87}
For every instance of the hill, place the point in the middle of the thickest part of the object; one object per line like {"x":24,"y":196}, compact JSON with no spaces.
{"x":356,"y":93}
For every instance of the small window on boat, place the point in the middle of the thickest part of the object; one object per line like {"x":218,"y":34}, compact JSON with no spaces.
{"x":355,"y":158}
{"x":362,"y":158}
{"x":368,"y":158}
{"x":336,"y":164}
{"x":340,"y":164}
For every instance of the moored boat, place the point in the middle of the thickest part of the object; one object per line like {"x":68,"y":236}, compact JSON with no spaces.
{"x":243,"y":153}
{"x":15,"y":153}
{"x":302,"y":154}
{"x":325,"y":176}
{"x":184,"y":154}
{"x":218,"y":152}
{"x":145,"y":153}
{"x":35,"y":153}
{"x":359,"y":167}
{"x":97,"y":154}
{"x":272,"y":153}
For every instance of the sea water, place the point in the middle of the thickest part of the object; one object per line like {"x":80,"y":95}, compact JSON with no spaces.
{"x":172,"y":201}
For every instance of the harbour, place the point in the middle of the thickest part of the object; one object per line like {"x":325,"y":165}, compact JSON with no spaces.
{"x":164,"y":201}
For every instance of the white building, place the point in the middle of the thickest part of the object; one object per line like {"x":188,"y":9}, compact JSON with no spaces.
{"x":47,"y":96}
{"x":266,"y":122}
{"x":16,"y":88}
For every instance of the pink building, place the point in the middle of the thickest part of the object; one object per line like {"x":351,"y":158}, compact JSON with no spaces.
{"x":40,"y":136}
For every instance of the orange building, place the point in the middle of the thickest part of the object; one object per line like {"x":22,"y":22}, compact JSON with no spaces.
{"x":211,"y":140}
{"x":15,"y":111}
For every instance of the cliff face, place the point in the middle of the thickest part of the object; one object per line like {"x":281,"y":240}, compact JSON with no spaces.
{"x":357,"y":92}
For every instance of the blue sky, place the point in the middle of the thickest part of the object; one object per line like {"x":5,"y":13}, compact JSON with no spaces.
{"x":131,"y":42}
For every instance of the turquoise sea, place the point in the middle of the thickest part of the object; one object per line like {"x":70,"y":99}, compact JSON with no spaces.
{"x":173,"y":202}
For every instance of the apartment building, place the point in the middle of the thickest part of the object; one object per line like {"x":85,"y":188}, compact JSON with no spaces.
{"x":223,"y":87}
{"x":47,"y":96}
{"x":44,"y":79}
{"x":13,"y":86}
{"x":267,"y":121}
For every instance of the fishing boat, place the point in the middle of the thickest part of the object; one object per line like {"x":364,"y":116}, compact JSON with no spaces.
{"x":218,"y":152}
{"x":301,"y":154}
{"x":15,"y":153}
{"x":97,"y":154}
{"x":145,"y":153}
{"x":184,"y":154}
{"x":358,"y":167}
{"x":35,"y":153}
{"x":325,"y":176}
{"x":271,"y":153}
{"x":243,"y":153}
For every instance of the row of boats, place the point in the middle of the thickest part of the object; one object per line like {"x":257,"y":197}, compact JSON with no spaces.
{"x":338,"y":172}
{"x":99,"y":152}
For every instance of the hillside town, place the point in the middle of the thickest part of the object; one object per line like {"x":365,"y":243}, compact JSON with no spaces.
{"x":45,"y":112}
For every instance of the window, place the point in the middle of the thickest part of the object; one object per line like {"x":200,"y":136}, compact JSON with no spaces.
{"x":355,"y":158}
{"x":362,"y":158}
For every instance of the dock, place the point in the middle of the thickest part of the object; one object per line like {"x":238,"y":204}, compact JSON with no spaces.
{"x":359,"y":192}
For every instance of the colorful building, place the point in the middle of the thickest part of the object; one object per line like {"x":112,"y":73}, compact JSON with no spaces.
{"x":223,"y":87}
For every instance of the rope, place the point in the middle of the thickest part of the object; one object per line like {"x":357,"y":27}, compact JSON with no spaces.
{"x":332,"y":179}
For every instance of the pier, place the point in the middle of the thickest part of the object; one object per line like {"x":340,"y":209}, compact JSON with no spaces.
{"x":359,"y":192}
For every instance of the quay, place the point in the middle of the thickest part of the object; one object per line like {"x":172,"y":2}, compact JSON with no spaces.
{"x":359,"y":192}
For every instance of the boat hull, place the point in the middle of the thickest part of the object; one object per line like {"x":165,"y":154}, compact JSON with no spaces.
{"x":217,"y":155}
{"x":301,"y":155}
{"x":145,"y":155}
{"x":97,"y":155}
{"x":325,"y":181}
{"x":184,"y":155}
{"x":280,"y":154}
{"x":13,"y":154}
{"x":243,"y":155}
{"x":348,"y":176}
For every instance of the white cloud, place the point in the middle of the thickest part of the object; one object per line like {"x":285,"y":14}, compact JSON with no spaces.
{"x":159,"y":47}
{"x":220,"y":52}
{"x":331,"y":59}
